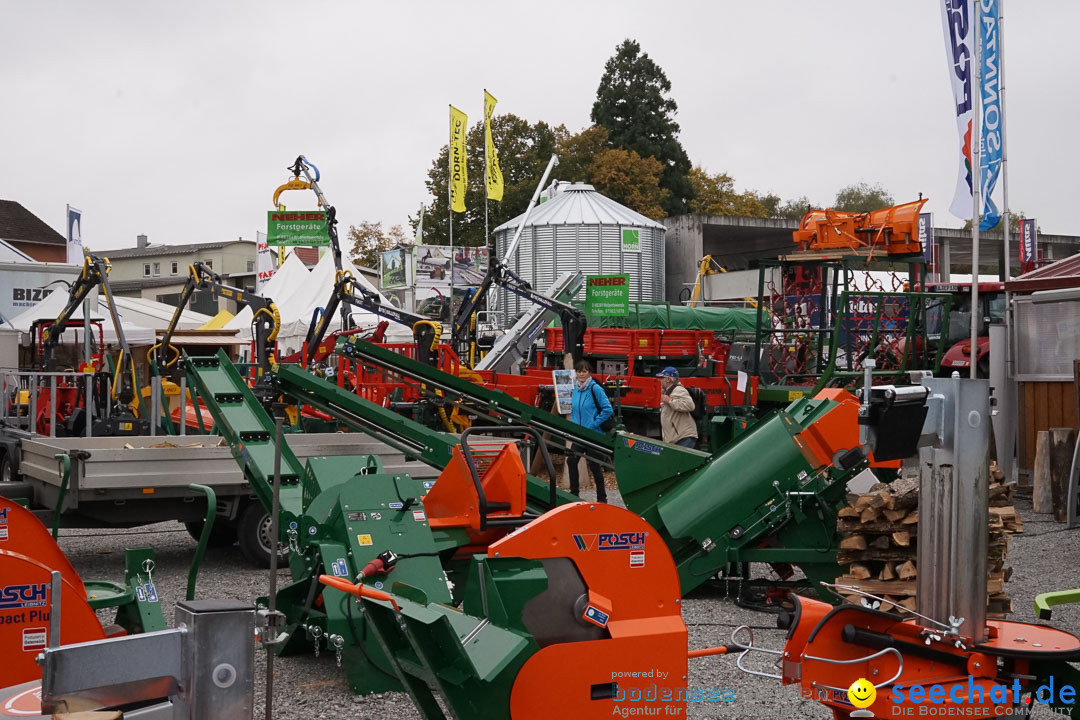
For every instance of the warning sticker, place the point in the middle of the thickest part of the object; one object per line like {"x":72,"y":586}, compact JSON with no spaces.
{"x":339,"y":567}
{"x":363,"y":539}
{"x":637,"y":559}
{"x":418,"y":515}
{"x":34,"y":639}
{"x":357,"y":516}
{"x":3,"y":532}
{"x":396,"y":506}
{"x":596,"y":616}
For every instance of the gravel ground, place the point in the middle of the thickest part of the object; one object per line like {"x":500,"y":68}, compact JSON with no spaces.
{"x":1045,"y":557}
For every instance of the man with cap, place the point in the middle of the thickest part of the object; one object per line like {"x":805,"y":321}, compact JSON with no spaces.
{"x":676,"y":410}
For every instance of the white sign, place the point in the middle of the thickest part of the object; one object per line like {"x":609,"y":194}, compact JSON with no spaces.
{"x":264,"y":262}
{"x":564,"y":390}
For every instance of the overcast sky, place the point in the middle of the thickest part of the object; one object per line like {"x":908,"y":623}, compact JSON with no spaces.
{"x":178,"y":119}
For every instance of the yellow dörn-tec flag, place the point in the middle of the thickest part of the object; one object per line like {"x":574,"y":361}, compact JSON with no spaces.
{"x":494,"y":174}
{"x":459,"y":174}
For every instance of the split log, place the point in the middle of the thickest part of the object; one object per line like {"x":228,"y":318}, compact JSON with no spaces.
{"x":901,"y":538}
{"x":907,"y":571}
{"x":1062,"y":444}
{"x":1042,"y":496}
{"x":855,"y":542}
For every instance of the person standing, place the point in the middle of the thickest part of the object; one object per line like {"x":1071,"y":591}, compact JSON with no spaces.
{"x":591,"y":408}
{"x":676,"y":410}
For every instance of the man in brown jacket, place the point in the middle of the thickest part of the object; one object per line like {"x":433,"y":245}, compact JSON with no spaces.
{"x":676,"y":410}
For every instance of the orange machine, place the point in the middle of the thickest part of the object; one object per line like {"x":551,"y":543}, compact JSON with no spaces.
{"x":891,"y":231}
{"x":28,"y":555}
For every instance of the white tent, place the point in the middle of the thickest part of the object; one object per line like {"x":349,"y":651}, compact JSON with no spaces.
{"x":297,"y":296}
{"x":155,"y":315}
{"x":51,"y":306}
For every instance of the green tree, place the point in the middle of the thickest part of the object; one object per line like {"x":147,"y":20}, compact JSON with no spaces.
{"x":786,"y":210}
{"x":627,"y":178}
{"x":524,"y":150}
{"x":369,"y":241}
{"x":634,"y":105}
{"x":716,"y":195}
{"x":863,"y":197}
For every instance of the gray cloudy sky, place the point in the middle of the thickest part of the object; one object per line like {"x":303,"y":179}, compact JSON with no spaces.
{"x":178,"y":119}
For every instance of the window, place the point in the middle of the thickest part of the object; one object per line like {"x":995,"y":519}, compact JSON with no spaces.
{"x":157,"y":269}
{"x":251,"y":266}
{"x":174,"y":268}
{"x":209,"y":264}
{"x":146,"y":270}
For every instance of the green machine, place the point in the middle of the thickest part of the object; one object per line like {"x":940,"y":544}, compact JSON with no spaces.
{"x":769,"y":495}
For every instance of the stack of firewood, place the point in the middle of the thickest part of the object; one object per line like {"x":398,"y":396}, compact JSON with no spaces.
{"x":879,"y":531}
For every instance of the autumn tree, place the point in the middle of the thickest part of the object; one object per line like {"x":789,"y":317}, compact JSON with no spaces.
{"x":716,"y":195}
{"x":524,"y":150}
{"x":786,"y":209}
{"x":863,"y":197}
{"x":622,"y":175}
{"x":634,"y":105}
{"x":369,"y":241}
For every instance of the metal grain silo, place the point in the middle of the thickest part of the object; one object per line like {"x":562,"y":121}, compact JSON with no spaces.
{"x":580,"y":229}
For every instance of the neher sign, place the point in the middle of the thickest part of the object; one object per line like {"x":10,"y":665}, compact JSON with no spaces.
{"x":607,"y":295}
{"x":305,"y":228}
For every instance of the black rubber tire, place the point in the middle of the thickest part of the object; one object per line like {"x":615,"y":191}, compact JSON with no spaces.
{"x":253,"y":534}
{"x":223,"y":534}
{"x":7,"y":472}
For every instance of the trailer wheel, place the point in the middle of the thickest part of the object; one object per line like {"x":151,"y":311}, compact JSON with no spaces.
{"x":7,"y":472}
{"x":254,"y":535}
{"x":223,"y":534}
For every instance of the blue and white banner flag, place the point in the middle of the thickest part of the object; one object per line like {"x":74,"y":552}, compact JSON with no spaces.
{"x":993,"y":118}
{"x":74,"y":236}
{"x":958,"y":18}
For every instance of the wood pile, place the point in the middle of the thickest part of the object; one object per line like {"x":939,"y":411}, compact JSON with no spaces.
{"x":879,"y":533}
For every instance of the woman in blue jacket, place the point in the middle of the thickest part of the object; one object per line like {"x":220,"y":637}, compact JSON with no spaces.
{"x":590,"y":409}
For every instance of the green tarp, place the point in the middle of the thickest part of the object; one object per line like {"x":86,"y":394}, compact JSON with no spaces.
{"x":678,"y":317}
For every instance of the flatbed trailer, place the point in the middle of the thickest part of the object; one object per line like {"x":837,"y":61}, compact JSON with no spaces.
{"x":120,"y":482}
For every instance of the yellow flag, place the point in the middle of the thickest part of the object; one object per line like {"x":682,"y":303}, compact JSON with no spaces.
{"x":459,"y":174}
{"x":494,"y":174}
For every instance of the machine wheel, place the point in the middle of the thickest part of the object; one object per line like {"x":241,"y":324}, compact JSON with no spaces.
{"x":223,"y":534}
{"x":254,"y":534}
{"x":7,"y":471}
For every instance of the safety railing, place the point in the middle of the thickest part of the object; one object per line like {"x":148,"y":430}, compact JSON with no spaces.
{"x":38,"y":401}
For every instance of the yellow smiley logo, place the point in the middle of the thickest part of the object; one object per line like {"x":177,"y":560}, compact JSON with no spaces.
{"x":862,"y":693}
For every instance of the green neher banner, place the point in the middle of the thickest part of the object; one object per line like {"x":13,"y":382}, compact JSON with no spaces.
{"x":607,"y":295}
{"x":306,"y":228}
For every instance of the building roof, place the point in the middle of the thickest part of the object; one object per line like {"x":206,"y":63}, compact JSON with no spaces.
{"x":581,"y":204}
{"x":160,"y":250}
{"x":1057,"y":275}
{"x":18,"y":223}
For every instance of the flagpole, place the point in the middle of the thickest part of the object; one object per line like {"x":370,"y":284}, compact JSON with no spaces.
{"x":1005,"y":455}
{"x":976,"y":186}
{"x":450,"y":197}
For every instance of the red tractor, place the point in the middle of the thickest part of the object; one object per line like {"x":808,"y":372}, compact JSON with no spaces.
{"x":957,"y":339}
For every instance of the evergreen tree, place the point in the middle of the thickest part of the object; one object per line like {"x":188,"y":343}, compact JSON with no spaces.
{"x":632,"y":103}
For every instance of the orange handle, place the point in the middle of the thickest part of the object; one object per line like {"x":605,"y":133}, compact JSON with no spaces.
{"x":705,"y":652}
{"x":358,"y":590}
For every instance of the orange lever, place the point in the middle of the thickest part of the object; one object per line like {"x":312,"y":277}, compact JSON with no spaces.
{"x":358,"y":590}
{"x":705,"y":652}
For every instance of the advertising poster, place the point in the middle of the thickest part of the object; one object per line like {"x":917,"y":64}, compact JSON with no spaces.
{"x":564,"y":390}
{"x":394,"y":268}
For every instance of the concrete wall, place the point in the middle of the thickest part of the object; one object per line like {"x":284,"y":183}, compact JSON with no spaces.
{"x":683,"y":248}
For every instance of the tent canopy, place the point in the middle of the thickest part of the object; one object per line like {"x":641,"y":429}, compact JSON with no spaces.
{"x":298,"y":293}
{"x":155,"y":315}
{"x":51,"y":306}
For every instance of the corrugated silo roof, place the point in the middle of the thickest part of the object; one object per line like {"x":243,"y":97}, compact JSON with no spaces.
{"x":581,"y":204}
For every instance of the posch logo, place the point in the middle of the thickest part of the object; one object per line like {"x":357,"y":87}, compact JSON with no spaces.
{"x":24,"y":596}
{"x":611,"y":541}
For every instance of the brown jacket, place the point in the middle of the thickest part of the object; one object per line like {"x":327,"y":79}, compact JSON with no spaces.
{"x":676,"y":417}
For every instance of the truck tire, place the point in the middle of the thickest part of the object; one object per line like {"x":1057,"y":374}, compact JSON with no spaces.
{"x":253,"y":534}
{"x":7,"y":470}
{"x":223,"y":534}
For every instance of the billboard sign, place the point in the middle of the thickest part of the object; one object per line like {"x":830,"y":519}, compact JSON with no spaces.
{"x":394,"y":268}
{"x":303,"y":228}
{"x":607,"y":295}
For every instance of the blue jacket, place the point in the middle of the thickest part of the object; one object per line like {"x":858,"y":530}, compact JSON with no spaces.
{"x":591,"y":406}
